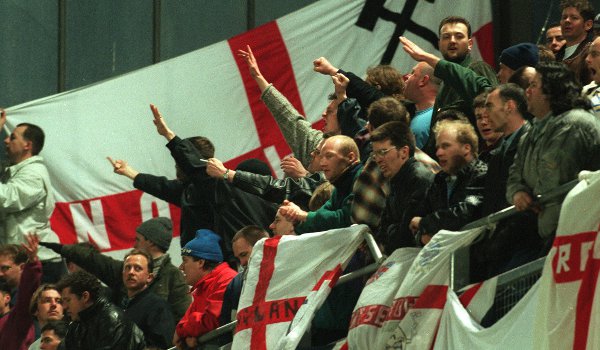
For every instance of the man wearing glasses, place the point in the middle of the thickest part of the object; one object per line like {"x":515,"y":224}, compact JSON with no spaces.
{"x":393,"y":150}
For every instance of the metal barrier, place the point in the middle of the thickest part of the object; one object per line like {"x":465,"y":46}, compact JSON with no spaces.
{"x":459,"y":264}
{"x":512,"y":285}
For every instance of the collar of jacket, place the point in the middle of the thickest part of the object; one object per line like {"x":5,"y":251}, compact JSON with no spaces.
{"x":93,"y":310}
{"x":210,"y":277}
{"x":466,"y":61}
{"x":137,"y":297}
{"x":467,"y":169}
{"x":399,"y":177}
{"x":16,"y":167}
{"x":346,"y":178}
{"x":561,"y":53}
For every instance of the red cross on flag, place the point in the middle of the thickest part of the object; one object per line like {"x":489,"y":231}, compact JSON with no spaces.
{"x":209,"y":92}
{"x":290,"y":276}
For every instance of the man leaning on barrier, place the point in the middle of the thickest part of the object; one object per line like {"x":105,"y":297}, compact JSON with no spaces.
{"x":207,"y":274}
{"x":564,"y":139}
{"x":393,"y":150}
{"x":454,"y":198}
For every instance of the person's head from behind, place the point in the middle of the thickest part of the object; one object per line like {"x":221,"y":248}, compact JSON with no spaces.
{"x":154,"y":235}
{"x":523,"y":77}
{"x":137,"y":271}
{"x":393,"y":145}
{"x":46,"y":304}
{"x":387,"y":79}
{"x":515,"y":57}
{"x":200,"y":256}
{"x":338,"y":154}
{"x":79,"y":291}
{"x":12,"y":262}
{"x":554,"y":38}
{"x":456,"y":143}
{"x":320,"y":196}
{"x":5,"y":290}
{"x":25,"y":141}
{"x":455,"y":41}
{"x":385,"y":110}
{"x":205,"y":149}
{"x":244,"y":240}
{"x":577,"y":19}
{"x":52,"y":334}
{"x":282,"y":226}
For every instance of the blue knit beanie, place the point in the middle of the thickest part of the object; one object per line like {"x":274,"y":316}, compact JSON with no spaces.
{"x":204,"y":246}
{"x":520,"y":55}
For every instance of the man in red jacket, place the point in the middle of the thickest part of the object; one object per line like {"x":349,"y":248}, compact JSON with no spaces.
{"x":204,"y":270}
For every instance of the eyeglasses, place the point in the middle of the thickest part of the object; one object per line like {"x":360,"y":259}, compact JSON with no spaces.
{"x":380,"y":153}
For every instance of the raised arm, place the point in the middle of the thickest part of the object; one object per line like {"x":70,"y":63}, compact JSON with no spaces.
{"x":323,"y":66}
{"x":253,"y":68}
{"x":121,"y":167}
{"x":417,"y":53}
{"x":161,"y":125}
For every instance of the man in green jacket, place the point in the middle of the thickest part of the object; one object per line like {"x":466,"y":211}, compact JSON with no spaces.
{"x":463,"y":78}
{"x":153,"y":236}
{"x":340,"y":162}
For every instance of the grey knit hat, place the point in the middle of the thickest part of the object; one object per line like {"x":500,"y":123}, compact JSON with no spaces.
{"x":157,"y":230}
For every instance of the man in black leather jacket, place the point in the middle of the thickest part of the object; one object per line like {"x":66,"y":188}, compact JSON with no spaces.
{"x":455,"y":197}
{"x":96,"y":323}
{"x":393,"y":150}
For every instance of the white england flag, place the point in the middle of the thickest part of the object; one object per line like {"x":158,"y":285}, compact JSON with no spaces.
{"x":209,"y":92}
{"x":377,"y":299}
{"x":413,"y":321}
{"x":561,"y":311}
{"x":284,"y":273}
{"x":568,"y":314}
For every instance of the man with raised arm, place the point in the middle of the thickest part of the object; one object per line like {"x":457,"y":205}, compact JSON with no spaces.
{"x":298,"y":132}
{"x":16,"y":328}
{"x":191,"y":187}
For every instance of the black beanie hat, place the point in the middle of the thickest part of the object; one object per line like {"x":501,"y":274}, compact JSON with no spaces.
{"x":520,"y":55}
{"x":157,"y":230}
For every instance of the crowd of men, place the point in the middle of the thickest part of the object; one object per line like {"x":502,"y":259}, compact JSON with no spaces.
{"x":446,"y":143}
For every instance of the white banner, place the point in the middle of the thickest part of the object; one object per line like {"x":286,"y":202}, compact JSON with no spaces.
{"x":209,"y":92}
{"x":561,"y":311}
{"x":288,"y":278}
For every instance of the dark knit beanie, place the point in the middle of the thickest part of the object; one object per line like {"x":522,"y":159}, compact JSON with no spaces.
{"x":204,"y":246}
{"x":520,"y":55}
{"x":255,"y":166}
{"x":158,"y":231}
